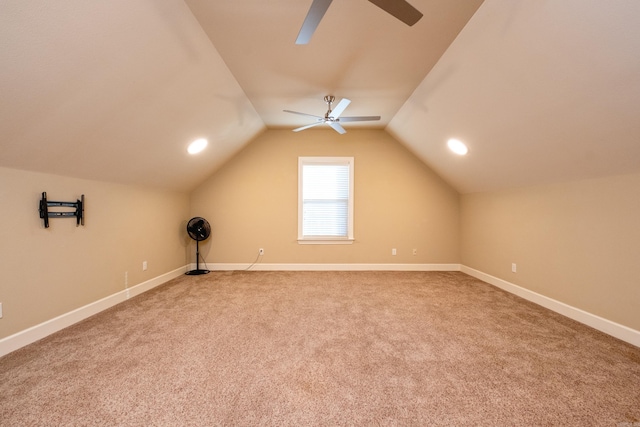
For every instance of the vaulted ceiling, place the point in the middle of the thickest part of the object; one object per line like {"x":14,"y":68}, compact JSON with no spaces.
{"x":540,"y":90}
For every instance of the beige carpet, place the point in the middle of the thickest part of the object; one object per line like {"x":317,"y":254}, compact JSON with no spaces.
{"x":323,"y":348}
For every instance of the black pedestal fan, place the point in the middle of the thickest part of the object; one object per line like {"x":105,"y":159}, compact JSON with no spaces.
{"x":198,"y":229}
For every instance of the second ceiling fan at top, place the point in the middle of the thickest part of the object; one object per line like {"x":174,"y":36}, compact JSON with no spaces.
{"x":398,"y":8}
{"x":332,"y":117}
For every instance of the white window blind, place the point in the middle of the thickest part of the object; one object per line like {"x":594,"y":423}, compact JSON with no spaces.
{"x":325,"y":198}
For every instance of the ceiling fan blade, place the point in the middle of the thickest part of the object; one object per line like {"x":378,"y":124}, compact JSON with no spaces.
{"x":344,"y":102}
{"x":336,"y":126}
{"x":314,"y":16}
{"x":400,"y":9}
{"x":303,"y":114}
{"x":359,"y":119}
{"x":307,"y":126}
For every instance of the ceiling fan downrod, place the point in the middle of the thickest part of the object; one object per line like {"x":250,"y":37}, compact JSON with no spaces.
{"x":329,"y":100}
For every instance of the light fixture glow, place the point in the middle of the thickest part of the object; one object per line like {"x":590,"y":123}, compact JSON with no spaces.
{"x":197,"y":146}
{"x":457,"y":147}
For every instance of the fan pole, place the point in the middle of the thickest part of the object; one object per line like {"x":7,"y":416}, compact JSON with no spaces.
{"x":197,"y":271}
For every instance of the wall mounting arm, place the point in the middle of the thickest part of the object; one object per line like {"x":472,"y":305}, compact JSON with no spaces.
{"x":46,"y":204}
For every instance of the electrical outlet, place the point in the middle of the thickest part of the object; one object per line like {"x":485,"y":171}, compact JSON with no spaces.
{"x":261,"y":251}
{"x":0,"y":310}
{"x":393,"y":251}
{"x":126,"y":278}
{"x":144,"y":265}
{"x":415,"y":252}
{"x":513,"y":267}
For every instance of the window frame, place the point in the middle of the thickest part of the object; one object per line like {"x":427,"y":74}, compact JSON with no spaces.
{"x":325,"y":240}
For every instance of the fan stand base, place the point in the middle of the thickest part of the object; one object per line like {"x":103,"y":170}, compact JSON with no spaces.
{"x":197,"y":272}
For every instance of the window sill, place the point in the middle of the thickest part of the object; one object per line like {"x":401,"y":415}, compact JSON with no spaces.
{"x":325,"y":241}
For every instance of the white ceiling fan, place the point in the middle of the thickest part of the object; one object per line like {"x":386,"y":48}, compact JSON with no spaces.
{"x":332,"y":117}
{"x":398,"y":8}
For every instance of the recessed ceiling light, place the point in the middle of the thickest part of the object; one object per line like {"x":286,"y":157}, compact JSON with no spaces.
{"x":197,"y":146}
{"x":457,"y":147}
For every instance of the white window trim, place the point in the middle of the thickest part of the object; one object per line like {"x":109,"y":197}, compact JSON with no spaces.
{"x":320,"y":240}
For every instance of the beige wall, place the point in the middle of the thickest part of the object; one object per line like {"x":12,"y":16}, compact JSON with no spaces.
{"x":578,"y":243}
{"x":49,"y":272}
{"x":400,"y":203}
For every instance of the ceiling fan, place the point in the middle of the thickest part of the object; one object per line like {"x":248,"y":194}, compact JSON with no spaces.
{"x":398,"y":8}
{"x":332,"y":117}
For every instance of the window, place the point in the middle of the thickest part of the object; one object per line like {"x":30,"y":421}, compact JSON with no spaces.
{"x":325,"y":200}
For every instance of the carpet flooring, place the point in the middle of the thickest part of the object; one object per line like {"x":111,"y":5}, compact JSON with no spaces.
{"x":323,"y":349}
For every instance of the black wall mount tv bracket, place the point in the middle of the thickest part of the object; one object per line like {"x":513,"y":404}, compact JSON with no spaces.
{"x":45,"y":214}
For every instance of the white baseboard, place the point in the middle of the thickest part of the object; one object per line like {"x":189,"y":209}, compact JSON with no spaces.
{"x":37,"y":332}
{"x":330,"y":267}
{"x":614,"y":329}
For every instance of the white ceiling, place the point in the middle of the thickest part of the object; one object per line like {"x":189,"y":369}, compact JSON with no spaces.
{"x":540,"y":90}
{"x":358,"y":52}
{"x":115,"y":90}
